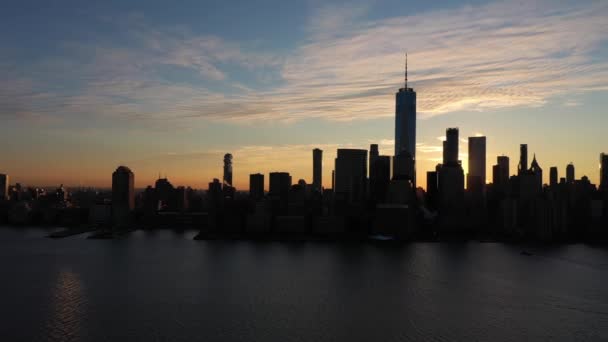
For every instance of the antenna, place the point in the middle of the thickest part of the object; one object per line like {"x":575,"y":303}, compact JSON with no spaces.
{"x":406,"y":71}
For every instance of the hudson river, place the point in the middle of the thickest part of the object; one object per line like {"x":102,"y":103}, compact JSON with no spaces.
{"x":164,"y":286}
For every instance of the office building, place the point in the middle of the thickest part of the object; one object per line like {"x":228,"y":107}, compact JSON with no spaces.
{"x":279,"y":185}
{"x":123,"y":194}
{"x":405,"y":122}
{"x":450,"y":147}
{"x":351,"y":174}
{"x":317,"y":169}
{"x":381,"y":169}
{"x":553,"y":176}
{"x":523,"y":159}
{"x":256,"y":186}
{"x":570,"y":174}
{"x":476,"y":178}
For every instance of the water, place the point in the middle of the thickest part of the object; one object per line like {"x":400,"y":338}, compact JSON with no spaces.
{"x":163,"y":286}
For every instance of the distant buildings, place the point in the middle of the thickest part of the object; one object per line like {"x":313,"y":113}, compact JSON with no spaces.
{"x":123,"y":195}
{"x":4,"y":183}
{"x":317,"y":169}
{"x":450,"y":147}
{"x":351,"y":174}
{"x":256,"y":186}
{"x":501,"y":173}
{"x":523,"y":159}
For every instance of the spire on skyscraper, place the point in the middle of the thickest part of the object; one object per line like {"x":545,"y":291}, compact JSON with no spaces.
{"x":406,"y":71}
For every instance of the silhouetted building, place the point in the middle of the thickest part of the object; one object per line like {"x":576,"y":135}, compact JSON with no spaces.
{"x":570,"y":174}
{"x":317,"y":169}
{"x":165,"y":194}
{"x":279,"y":186}
{"x":256,"y":186}
{"x":432,"y":189}
{"x":553,"y":177}
{"x":405,"y":121}
{"x":476,"y":178}
{"x":4,"y":183}
{"x":451,"y":146}
{"x":523,"y":159}
{"x":123,"y":194}
{"x":501,"y":173}
{"x":403,"y":167}
{"x":351,"y":174}
{"x":228,"y":169}
{"x":381,"y":169}
{"x":373,"y":154}
{"x":604,"y":172}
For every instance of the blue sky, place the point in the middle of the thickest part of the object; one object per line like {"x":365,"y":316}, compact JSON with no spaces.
{"x":170,"y":86}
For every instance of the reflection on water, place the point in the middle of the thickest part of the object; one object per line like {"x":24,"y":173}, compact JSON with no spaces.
{"x":67,"y":308}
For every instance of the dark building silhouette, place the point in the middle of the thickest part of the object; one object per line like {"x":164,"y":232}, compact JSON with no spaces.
{"x":523,"y":159}
{"x":351,"y":174}
{"x":227,"y":169}
{"x":165,"y":194}
{"x":476,"y":178}
{"x":4,"y":183}
{"x":500,"y":172}
{"x":123,"y":194}
{"x":604,"y":171}
{"x":570,"y":174}
{"x":279,"y":185}
{"x":405,"y":123}
{"x":450,"y":147}
{"x":432,"y":189}
{"x":553,"y":176}
{"x":256,"y":186}
{"x":381,"y":171}
{"x":317,"y":169}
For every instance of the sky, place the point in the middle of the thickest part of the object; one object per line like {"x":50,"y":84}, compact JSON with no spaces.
{"x":169,"y":87}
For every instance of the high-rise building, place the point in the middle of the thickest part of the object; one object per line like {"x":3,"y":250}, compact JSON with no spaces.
{"x":477,"y":163}
{"x":227,"y":169}
{"x":523,"y":159}
{"x":317,"y":169}
{"x":123,"y":194}
{"x":405,"y":122}
{"x":604,"y":171}
{"x":351,"y":174}
{"x":450,"y":147}
{"x":381,"y":169}
{"x":4,"y":182}
{"x":553,"y":177}
{"x":373,"y":154}
{"x":256,"y":186}
{"x":570,"y":173}
{"x":279,"y":185}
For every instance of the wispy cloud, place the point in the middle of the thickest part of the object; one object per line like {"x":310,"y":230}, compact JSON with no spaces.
{"x":469,"y":59}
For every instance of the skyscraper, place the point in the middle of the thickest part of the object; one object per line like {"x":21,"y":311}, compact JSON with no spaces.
{"x":381,"y":169}
{"x":256,"y":186}
{"x":500,"y":174}
{"x":553,"y":177}
{"x":523,"y":159}
{"x":570,"y":173}
{"x":450,"y":147}
{"x":317,"y":169}
{"x":351,"y":173}
{"x":373,"y":154}
{"x":604,"y":171}
{"x":4,"y":182}
{"x":227,"y":169}
{"x":405,"y":121}
{"x":477,"y":162}
{"x":123,"y":194}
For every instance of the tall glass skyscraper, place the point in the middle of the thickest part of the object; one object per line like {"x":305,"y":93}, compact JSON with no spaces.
{"x":405,"y":122}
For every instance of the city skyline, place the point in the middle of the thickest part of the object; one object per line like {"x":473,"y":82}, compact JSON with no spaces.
{"x":270,"y":103}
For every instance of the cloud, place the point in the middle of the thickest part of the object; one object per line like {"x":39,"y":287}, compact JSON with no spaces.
{"x":474,"y":58}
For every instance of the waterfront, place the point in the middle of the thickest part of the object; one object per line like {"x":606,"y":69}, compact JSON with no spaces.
{"x":165,"y":286}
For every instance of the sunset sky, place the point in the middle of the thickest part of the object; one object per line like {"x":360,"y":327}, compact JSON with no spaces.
{"x":171,"y":87}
